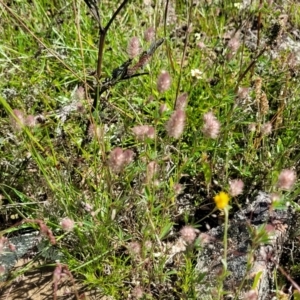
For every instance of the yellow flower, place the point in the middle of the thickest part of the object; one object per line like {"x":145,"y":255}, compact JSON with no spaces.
{"x":221,"y":200}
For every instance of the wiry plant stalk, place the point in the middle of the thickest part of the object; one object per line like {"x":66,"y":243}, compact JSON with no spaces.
{"x":184,"y":49}
{"x":102,"y":36}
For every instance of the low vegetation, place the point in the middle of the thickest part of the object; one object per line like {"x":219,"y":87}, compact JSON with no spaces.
{"x":131,"y":127}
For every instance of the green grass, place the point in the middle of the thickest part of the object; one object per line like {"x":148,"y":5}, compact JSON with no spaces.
{"x":48,"y":50}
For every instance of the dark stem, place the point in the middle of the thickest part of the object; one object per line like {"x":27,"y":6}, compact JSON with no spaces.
{"x":241,"y":77}
{"x":102,"y":35}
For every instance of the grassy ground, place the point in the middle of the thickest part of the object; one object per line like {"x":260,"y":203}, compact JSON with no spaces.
{"x":221,"y":102}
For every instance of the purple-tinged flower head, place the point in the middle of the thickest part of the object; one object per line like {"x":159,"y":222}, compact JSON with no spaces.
{"x":30,"y":121}
{"x":181,"y":101}
{"x":67,"y":224}
{"x":134,"y":248}
{"x":94,"y":131}
{"x":3,"y":243}
{"x":152,"y":169}
{"x":79,"y":93}
{"x":176,"y":123}
{"x":178,"y":188}
{"x":128,"y":155}
{"x":266,"y":128}
{"x":252,"y":127}
{"x":149,"y":34}
{"x":286,"y":179}
{"x":233,"y":46}
{"x":18,"y":120}
{"x":142,"y":132}
{"x":251,"y":295}
{"x":137,"y":292}
{"x":201,"y":45}
{"x":243,"y":92}
{"x":189,"y":234}
{"x":236,"y":187}
{"x":211,"y":127}
{"x":133,"y":47}
{"x":163,"y":81}
{"x":118,"y":159}
{"x":87,"y":207}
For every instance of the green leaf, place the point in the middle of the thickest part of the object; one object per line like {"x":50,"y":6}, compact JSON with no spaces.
{"x":256,"y":280}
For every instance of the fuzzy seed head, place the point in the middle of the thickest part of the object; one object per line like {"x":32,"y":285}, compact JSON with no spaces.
{"x":189,"y":234}
{"x":149,"y":34}
{"x":79,"y":93}
{"x":133,"y":47}
{"x":243,"y":92}
{"x":181,"y":101}
{"x":201,"y":45}
{"x":18,"y":120}
{"x":67,"y":224}
{"x":94,"y":131}
{"x":251,"y":295}
{"x":211,"y":127}
{"x":252,"y":127}
{"x":134,"y":248}
{"x":236,"y":187}
{"x":3,"y":243}
{"x":137,"y":292}
{"x":30,"y":121}
{"x":266,"y":128}
{"x":152,"y":169}
{"x":178,"y":188}
{"x":234,"y":45}
{"x":163,"y":81}
{"x":286,"y":179}
{"x":175,"y":125}
{"x":142,"y":132}
{"x":128,"y":155}
{"x":118,"y":159}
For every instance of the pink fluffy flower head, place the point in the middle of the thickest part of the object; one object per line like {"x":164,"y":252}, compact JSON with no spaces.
{"x":181,"y":101}
{"x":266,"y":128}
{"x":18,"y":119}
{"x":163,"y":81}
{"x":175,"y":125}
{"x":211,"y":127}
{"x":30,"y":121}
{"x":149,"y":34}
{"x":152,"y":169}
{"x":94,"y":131}
{"x":118,"y":159}
{"x":133,"y":47}
{"x":67,"y":224}
{"x":189,"y":234}
{"x":143,"y":131}
{"x":286,"y":179}
{"x":236,"y":187}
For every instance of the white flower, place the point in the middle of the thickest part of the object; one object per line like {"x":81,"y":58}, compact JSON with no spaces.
{"x":196,"y":73}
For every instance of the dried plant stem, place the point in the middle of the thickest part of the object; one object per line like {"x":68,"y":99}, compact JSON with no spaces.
{"x":242,"y":76}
